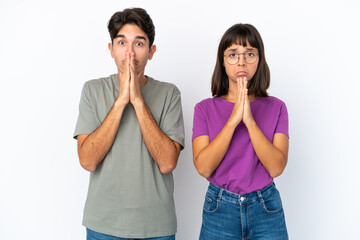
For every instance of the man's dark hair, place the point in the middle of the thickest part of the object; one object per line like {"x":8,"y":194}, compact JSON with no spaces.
{"x":241,"y":34}
{"x":137,"y":16}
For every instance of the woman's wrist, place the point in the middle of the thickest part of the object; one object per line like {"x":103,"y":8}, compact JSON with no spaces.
{"x":231,"y":124}
{"x":250,"y":124}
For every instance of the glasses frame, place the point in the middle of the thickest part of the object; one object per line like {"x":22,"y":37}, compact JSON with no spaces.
{"x":238,"y":57}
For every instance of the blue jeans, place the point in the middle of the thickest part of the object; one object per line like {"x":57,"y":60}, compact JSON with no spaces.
{"x":92,"y":235}
{"x":255,"y":216}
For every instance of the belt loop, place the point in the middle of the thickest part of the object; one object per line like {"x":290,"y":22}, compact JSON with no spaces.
{"x":220,"y":194}
{"x":260,"y":196}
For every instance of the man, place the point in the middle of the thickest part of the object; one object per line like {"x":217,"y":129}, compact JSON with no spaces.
{"x":130,"y":132}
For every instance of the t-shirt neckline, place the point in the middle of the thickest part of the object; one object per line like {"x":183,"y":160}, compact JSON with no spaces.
{"x":256,"y":100}
{"x":117,"y":84}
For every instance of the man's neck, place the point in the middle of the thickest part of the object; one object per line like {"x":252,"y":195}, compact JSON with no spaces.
{"x":143,"y":80}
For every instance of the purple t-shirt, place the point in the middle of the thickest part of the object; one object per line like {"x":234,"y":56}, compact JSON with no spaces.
{"x":240,"y":171}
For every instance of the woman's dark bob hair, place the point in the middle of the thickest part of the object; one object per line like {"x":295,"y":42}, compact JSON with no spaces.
{"x":241,"y":34}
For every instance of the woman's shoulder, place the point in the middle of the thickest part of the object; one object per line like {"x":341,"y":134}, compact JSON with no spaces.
{"x":273,"y":100}
{"x":207,"y":102}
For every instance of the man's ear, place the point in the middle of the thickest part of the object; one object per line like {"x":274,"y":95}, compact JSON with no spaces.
{"x":152,"y":51}
{"x":111,"y":49}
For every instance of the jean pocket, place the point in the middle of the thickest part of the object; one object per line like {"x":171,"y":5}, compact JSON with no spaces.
{"x":272,"y":202}
{"x":211,"y":204}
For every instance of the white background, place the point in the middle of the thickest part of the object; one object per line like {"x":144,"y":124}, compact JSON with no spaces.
{"x":49,"y":49}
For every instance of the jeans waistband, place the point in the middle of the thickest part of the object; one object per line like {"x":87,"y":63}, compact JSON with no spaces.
{"x":221,"y":193}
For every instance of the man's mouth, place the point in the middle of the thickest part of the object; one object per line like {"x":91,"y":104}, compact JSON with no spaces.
{"x":136,"y":62}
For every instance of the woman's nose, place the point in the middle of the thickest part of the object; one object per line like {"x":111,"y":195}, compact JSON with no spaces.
{"x":241,"y":60}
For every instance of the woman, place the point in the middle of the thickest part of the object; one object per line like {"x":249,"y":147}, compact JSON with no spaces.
{"x":240,"y":143}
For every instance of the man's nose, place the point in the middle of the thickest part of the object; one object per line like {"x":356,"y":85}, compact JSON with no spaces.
{"x":130,"y":48}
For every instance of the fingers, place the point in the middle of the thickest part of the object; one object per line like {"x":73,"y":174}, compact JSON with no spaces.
{"x":238,"y":92}
{"x":242,"y":85}
{"x":242,"y":90}
{"x":246,"y":96}
{"x":246,"y":90}
{"x":132,"y":63}
{"x":133,"y":75}
{"x":126,"y":73}
{"x":245,"y":84}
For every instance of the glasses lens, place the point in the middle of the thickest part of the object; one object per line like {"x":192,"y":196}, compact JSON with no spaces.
{"x":251,"y":57}
{"x":232,"y":58}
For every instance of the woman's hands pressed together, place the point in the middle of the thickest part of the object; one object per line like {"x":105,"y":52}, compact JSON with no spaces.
{"x":241,"y":110}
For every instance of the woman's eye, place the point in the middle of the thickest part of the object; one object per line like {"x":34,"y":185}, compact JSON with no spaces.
{"x":232,"y":55}
{"x":250,"y":54}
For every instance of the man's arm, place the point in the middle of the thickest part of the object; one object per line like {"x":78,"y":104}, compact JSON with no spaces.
{"x":164,"y":151}
{"x":92,"y":148}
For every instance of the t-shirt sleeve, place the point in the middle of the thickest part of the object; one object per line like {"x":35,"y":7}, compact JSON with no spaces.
{"x":200,"y":126}
{"x":173,"y":122}
{"x":86,"y":123}
{"x":283,"y":121}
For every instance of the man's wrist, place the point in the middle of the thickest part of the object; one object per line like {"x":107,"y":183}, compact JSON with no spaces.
{"x":120,"y":105}
{"x":139,"y":103}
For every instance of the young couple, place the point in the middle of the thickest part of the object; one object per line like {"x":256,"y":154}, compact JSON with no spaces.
{"x":130,"y":133}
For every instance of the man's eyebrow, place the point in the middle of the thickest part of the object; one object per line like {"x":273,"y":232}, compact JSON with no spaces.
{"x":137,"y":37}
{"x":141,"y":37}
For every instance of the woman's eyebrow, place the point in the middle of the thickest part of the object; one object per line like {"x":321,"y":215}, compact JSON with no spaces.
{"x":233,"y":50}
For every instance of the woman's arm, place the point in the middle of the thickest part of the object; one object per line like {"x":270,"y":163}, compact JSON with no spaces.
{"x":273,"y":155}
{"x":208,"y":155}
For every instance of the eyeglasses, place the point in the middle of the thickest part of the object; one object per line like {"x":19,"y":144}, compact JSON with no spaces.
{"x":233,"y":58}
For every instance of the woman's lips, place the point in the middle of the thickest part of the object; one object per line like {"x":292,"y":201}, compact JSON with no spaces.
{"x":241,"y":73}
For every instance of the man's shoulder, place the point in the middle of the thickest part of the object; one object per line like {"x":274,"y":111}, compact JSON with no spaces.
{"x":163,"y":86}
{"x":100,"y":83}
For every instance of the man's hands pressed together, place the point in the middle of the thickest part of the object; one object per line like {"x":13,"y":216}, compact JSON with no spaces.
{"x":130,"y":82}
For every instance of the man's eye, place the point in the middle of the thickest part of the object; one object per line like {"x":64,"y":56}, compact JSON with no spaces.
{"x":121,"y":43}
{"x":139,"y":44}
